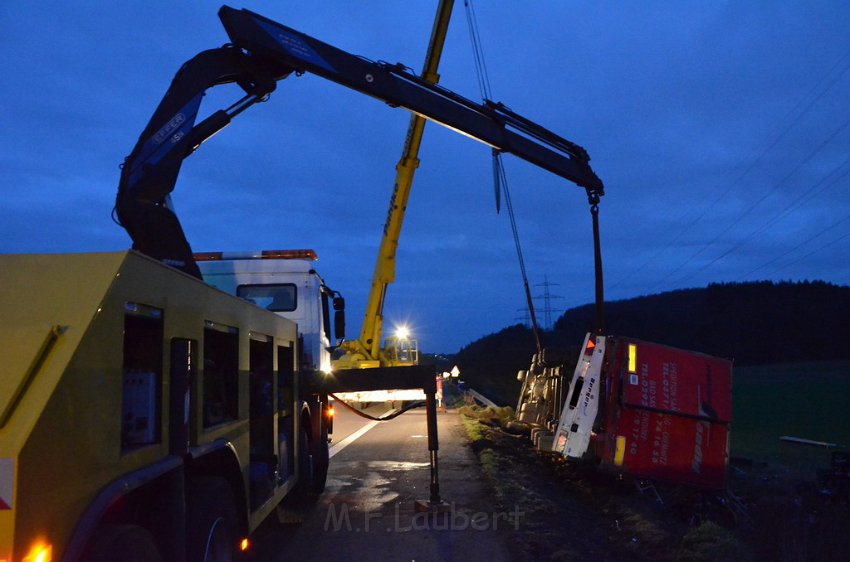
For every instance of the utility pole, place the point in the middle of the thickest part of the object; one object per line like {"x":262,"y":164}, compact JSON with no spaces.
{"x":547,"y":301}
{"x":525,"y":318}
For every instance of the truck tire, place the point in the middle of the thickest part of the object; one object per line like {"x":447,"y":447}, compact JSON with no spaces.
{"x":132,"y":543}
{"x":211,"y":522}
{"x":294,"y":507}
{"x":321,"y":461}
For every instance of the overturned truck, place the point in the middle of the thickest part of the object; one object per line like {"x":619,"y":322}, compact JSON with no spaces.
{"x":636,"y":408}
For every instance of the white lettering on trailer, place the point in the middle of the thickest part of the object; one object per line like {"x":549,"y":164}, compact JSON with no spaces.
{"x":588,"y":396}
{"x":644,"y":385}
{"x":700,"y":439}
{"x":670,"y":387}
{"x":661,"y":440}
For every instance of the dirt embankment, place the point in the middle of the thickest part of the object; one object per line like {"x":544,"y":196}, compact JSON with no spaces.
{"x":576,"y":512}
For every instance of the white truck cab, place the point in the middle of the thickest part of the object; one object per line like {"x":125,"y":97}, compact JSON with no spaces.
{"x":284,"y":282}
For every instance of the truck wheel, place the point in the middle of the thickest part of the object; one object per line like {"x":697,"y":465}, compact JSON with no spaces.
{"x":321,"y":460}
{"x":132,"y":543}
{"x":211,"y":523}
{"x":290,"y":512}
{"x":294,"y":507}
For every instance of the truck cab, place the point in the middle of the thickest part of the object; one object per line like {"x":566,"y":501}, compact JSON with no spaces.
{"x":286,"y":283}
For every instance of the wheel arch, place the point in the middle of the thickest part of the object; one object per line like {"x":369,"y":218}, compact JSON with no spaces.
{"x":221,"y":460}
{"x":136,"y":498}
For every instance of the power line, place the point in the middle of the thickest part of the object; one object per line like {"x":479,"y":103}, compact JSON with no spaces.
{"x":815,"y":251}
{"x":804,"y":198}
{"x":810,"y":193}
{"x":819,"y":89}
{"x":805,"y":242}
{"x":770,"y":192}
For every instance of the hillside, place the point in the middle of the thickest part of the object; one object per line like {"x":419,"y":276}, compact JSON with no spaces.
{"x":750,"y":323}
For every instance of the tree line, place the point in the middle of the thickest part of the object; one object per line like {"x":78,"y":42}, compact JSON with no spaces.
{"x":753,"y":323}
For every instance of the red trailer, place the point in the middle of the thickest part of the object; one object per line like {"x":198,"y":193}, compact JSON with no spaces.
{"x":650,"y":411}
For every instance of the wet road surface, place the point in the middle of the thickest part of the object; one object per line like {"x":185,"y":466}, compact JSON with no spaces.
{"x":367,"y":510}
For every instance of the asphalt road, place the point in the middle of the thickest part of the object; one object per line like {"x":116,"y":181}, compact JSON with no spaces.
{"x":367,"y":511}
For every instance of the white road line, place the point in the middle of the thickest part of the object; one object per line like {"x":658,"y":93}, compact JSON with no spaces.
{"x":351,"y":438}
{"x":354,"y":436}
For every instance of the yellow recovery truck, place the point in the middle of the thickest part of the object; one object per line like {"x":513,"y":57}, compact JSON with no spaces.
{"x":142,"y":410}
{"x":145,"y":415}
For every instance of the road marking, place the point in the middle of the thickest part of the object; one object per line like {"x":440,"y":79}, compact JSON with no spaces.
{"x":351,"y":439}
{"x":354,"y":436}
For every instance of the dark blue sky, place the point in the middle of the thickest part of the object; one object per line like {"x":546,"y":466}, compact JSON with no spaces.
{"x":721,"y":131}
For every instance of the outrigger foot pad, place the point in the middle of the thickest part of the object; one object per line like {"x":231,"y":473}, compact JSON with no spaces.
{"x":428,"y":506}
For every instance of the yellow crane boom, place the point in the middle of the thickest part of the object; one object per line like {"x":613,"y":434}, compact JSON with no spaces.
{"x":366,"y":351}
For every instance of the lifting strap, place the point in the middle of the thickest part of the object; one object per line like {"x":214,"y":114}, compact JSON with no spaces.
{"x":501,"y":181}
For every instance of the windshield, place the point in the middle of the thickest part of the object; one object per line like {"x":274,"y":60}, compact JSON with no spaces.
{"x":278,"y":298}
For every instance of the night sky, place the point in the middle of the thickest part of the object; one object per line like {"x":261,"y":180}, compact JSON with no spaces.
{"x":721,"y":131}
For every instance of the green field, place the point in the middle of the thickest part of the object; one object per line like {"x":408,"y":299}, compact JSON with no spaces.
{"x":811,"y":401}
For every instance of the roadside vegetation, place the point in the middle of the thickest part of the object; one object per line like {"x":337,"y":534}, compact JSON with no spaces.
{"x":807,"y":400}
{"x":791,"y":377}
{"x":760,"y":323}
{"x":776,"y":508}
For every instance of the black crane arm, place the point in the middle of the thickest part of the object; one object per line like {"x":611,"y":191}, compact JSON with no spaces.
{"x":150,"y":172}
{"x":490,"y":123}
{"x":261,"y":53}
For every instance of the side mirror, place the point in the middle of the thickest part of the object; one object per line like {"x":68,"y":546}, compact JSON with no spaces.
{"x":339,"y":318}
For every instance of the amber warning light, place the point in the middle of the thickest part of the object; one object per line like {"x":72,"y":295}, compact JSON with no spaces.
{"x":632,"y":358}
{"x":40,"y":552}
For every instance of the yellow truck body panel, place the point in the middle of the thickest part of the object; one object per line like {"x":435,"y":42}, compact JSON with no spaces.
{"x":63,"y":427}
